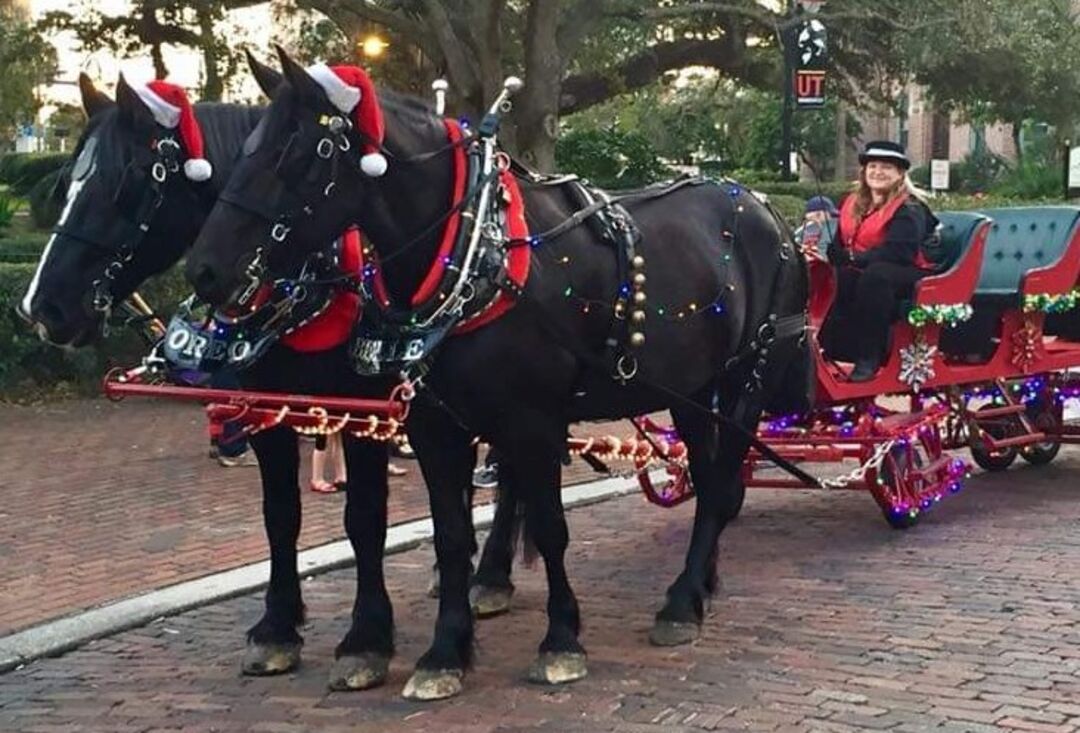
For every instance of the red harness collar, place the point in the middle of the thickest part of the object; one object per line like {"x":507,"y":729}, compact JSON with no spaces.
{"x":518,"y":260}
{"x":333,"y":326}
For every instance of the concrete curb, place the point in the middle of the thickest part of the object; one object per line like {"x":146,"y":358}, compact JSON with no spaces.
{"x":62,"y":635}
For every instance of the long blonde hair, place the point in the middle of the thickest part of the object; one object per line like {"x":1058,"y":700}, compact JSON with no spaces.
{"x":864,"y":201}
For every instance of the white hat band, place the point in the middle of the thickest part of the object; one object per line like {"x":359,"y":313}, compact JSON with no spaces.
{"x":883,"y":153}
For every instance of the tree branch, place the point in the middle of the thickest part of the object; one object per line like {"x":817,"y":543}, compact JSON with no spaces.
{"x":461,"y":67}
{"x":399,"y":23}
{"x":584,"y":90}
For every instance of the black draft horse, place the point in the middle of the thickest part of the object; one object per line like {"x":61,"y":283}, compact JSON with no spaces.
{"x":108,"y":182}
{"x":520,"y":381}
{"x":105,"y":185}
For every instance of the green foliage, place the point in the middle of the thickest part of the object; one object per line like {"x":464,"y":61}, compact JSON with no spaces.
{"x":920,"y":175}
{"x":1000,"y":59}
{"x":30,"y":368}
{"x":26,"y":60}
{"x":22,"y":248}
{"x":1032,"y":180}
{"x":835,"y":190}
{"x":790,"y":207}
{"x":713,"y":122}
{"x":610,"y":158}
{"x":8,"y":206}
{"x":978,"y":172}
{"x":22,"y":171}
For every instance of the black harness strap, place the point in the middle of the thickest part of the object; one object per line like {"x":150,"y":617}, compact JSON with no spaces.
{"x":594,"y":362}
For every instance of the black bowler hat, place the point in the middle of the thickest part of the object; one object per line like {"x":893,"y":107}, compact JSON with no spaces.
{"x":885,"y":151}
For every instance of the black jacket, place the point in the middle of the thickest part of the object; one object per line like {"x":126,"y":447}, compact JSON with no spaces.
{"x":905,"y":233}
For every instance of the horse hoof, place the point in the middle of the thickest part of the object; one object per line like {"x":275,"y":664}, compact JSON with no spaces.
{"x":359,"y":671}
{"x":558,"y":668}
{"x":488,"y":601}
{"x":433,"y":684}
{"x":673,"y":633}
{"x":262,"y":660}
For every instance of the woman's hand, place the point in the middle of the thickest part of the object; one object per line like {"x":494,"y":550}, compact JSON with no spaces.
{"x":811,"y":252}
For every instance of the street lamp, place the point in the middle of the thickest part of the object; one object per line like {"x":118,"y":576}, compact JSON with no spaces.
{"x":373,"y":46}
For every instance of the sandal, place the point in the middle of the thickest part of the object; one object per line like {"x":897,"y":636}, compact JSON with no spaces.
{"x":323,"y":487}
{"x":395,"y":470}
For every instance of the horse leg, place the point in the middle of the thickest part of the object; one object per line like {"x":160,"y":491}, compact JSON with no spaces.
{"x":446,"y":457}
{"x":534,"y":445}
{"x":274,"y":643}
{"x":363,"y":656}
{"x":716,"y":456}
{"x":492,"y":588}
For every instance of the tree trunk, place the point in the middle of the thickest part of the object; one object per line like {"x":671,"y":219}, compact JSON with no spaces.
{"x":213,"y":85}
{"x":1017,"y":129}
{"x":840,"y":166}
{"x":160,"y":69}
{"x":537,"y":113}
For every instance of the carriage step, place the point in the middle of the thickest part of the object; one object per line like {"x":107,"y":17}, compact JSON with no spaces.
{"x":992,"y":412}
{"x":1017,"y":440}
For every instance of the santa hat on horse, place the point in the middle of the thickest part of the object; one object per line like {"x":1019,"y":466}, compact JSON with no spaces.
{"x":171,"y":108}
{"x":350,"y":90}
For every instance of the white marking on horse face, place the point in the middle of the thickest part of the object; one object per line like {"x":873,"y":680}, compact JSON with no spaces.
{"x":74,"y":189}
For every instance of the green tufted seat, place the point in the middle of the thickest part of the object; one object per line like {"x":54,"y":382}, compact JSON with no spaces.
{"x":957,"y":232}
{"x":1022,"y":239}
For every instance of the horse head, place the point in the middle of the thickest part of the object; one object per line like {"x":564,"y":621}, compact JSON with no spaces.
{"x":129,"y":211}
{"x":306,"y":175}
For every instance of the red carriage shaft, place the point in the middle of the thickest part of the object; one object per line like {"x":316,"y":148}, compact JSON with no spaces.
{"x":230,"y":400}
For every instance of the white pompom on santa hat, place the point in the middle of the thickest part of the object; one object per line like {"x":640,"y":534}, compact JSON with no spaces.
{"x":351,"y":90}
{"x":171,"y":108}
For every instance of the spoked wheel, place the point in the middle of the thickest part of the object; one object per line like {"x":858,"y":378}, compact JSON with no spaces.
{"x":896,"y":488}
{"x":998,"y":428}
{"x":1044,"y":418}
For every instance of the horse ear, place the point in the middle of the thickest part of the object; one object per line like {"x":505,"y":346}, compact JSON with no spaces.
{"x":132,"y":109}
{"x":297,"y":77}
{"x":267,"y":78}
{"x":93,"y":101}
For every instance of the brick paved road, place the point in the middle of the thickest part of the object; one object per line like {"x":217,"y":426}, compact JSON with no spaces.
{"x":827,"y":621}
{"x":100,"y":501}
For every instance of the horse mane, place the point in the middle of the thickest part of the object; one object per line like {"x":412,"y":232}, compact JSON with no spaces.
{"x":224,"y":129}
{"x":409,"y":109}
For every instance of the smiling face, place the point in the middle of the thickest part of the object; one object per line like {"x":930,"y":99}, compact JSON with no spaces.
{"x":882,"y":178}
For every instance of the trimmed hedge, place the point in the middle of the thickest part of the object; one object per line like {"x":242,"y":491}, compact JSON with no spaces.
{"x":22,"y":247}
{"x":21,"y":171}
{"x":31,"y":369}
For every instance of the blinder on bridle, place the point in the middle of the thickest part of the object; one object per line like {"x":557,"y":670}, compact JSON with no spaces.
{"x":305,"y":179}
{"x":138,"y":197}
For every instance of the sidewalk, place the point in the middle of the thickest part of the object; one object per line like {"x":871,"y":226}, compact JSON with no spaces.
{"x":101,"y":501}
{"x":826,"y":621}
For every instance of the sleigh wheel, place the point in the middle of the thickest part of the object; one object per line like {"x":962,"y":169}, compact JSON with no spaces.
{"x":993,"y":460}
{"x":1047,"y":420}
{"x":895,"y":487}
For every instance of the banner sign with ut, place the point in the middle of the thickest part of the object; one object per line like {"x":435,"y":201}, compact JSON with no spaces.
{"x":809,"y":89}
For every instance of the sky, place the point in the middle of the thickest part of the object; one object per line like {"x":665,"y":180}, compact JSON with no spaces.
{"x":104,"y":68}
